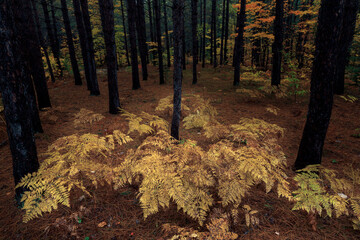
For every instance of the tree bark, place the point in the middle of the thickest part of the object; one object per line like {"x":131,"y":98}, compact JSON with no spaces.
{"x":183,"y":59}
{"x":239,"y":42}
{"x":178,"y":20}
{"x":222,"y":34}
{"x":125,"y":37}
{"x":141,"y":33}
{"x":42,"y":40}
{"x":194,"y":4}
{"x":167,"y":35}
{"x":322,"y":83}
{"x":158,"y":34}
{"x":90,"y":44}
{"x":214,"y":32}
{"x":12,"y":75}
{"x":107,"y":20}
{"x":204,"y":36}
{"x":56,"y":37}
{"x":70,"y":43}
{"x":226,"y":31}
{"x":277,"y":45}
{"x":347,"y":35}
{"x":132,"y":33}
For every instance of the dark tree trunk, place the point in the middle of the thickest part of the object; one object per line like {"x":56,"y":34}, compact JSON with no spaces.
{"x":322,"y":83}
{"x":226,"y":31}
{"x":141,"y":33}
{"x":214,"y":31}
{"x":151,"y":21}
{"x":178,"y":20}
{"x":83,"y":42}
{"x":183,"y":59}
{"x":42,"y":40}
{"x":30,"y":48}
{"x":194,"y":38}
{"x":158,"y":34}
{"x":16,"y":111}
{"x":132,"y":33}
{"x":350,"y":11}
{"x":125,"y":37}
{"x":107,"y":20}
{"x":222,"y":34}
{"x":70,"y":43}
{"x":204,"y":36}
{"x":56,"y":37}
{"x":167,"y":35}
{"x":200,"y":22}
{"x":277,"y":45}
{"x":239,"y":42}
{"x":89,"y":39}
{"x":51,"y":33}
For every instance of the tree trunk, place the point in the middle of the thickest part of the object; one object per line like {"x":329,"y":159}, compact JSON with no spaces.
{"x":141,"y":33}
{"x":158,"y":34}
{"x":70,"y":43}
{"x":222,"y":34}
{"x":322,"y":82}
{"x":239,"y":42}
{"x":107,"y":20}
{"x":83,"y":42}
{"x":132,"y":33}
{"x":125,"y":37}
{"x":200,"y":22}
{"x":347,"y":35}
{"x":42,"y":40}
{"x":183,"y":59}
{"x":51,"y":33}
{"x":277,"y":45}
{"x":89,"y":39}
{"x":16,"y":110}
{"x":56,"y":37}
{"x":226,"y":31}
{"x":194,"y":38}
{"x":30,"y":48}
{"x":214,"y":32}
{"x":167,"y":35}
{"x":204,"y":36}
{"x":178,"y":20}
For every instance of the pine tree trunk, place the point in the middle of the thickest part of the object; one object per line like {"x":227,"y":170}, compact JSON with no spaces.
{"x":222,"y":34}
{"x":131,"y":7}
{"x":70,"y":43}
{"x":239,"y":42}
{"x":16,"y":111}
{"x":42,"y":40}
{"x":183,"y":59}
{"x":347,"y":35}
{"x":194,"y":4}
{"x":56,"y":37}
{"x":125,"y":37}
{"x":204,"y":36}
{"x":178,"y":21}
{"x":89,"y":39}
{"x":226,"y":32}
{"x":167,"y":35}
{"x":322,"y":82}
{"x":214,"y":32}
{"x":200,"y":40}
{"x":107,"y":20}
{"x":30,"y":48}
{"x":141,"y":33}
{"x":51,"y":33}
{"x":277,"y":45}
{"x":158,"y":34}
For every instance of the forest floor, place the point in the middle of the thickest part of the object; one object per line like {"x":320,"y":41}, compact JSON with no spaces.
{"x":119,"y":210}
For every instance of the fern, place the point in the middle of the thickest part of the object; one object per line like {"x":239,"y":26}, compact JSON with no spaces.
{"x":86,"y":116}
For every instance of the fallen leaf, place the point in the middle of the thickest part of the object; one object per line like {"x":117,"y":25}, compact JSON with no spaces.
{"x":102,"y":224}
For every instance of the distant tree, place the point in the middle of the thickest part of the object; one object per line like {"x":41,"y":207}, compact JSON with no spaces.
{"x":30,"y":48}
{"x":213,"y":20}
{"x":152,"y":38}
{"x":42,"y":40}
{"x":131,"y":7}
{"x":90,"y":44}
{"x":204,"y":36}
{"x":16,"y":111}
{"x":158,"y":38}
{"x":226,"y":31}
{"x":50,"y":32}
{"x":178,"y":19}
{"x":194,"y":6}
{"x":222,"y":33}
{"x":125,"y":37}
{"x":167,"y":40}
{"x":277,"y":45}
{"x":107,"y":20}
{"x":239,"y":42}
{"x":141,"y":33}
{"x":54,"y":28}
{"x":70,"y":43}
{"x":327,"y":47}
{"x":347,"y":35}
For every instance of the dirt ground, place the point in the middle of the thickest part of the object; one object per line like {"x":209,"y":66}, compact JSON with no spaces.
{"x":120,"y":209}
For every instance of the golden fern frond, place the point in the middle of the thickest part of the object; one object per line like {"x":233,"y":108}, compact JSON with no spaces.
{"x":155,"y":121}
{"x":86,"y":116}
{"x":166,"y":105}
{"x":216,"y":131}
{"x":136,"y":125}
{"x":196,"y":120}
